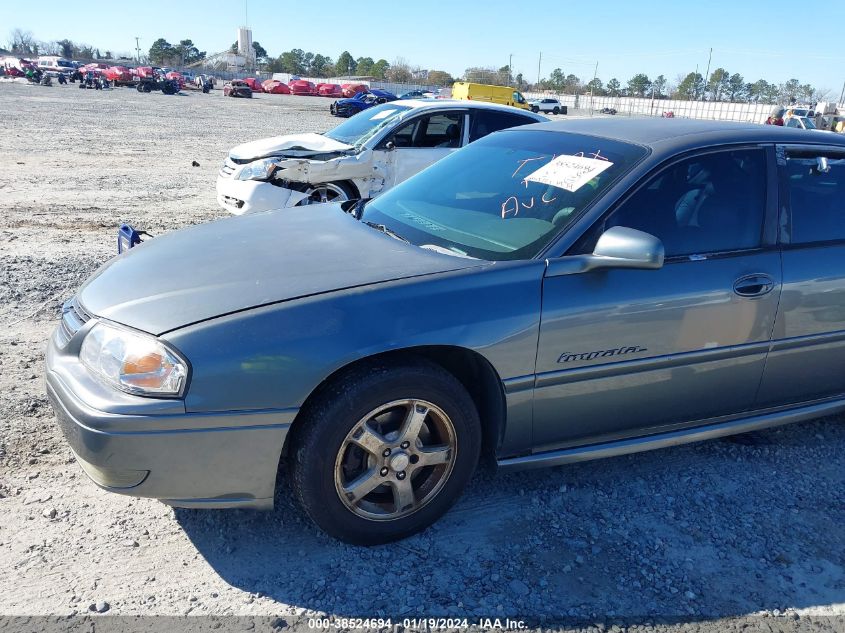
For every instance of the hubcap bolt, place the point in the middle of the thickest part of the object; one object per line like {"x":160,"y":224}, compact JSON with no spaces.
{"x":386,"y":452}
{"x":405,"y":444}
{"x":384,"y":471}
{"x":400,"y":475}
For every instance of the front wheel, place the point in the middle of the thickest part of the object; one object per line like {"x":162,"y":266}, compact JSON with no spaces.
{"x":385,"y":451}
{"x":535,"y":109}
{"x":327,"y":192}
{"x":556,"y":110}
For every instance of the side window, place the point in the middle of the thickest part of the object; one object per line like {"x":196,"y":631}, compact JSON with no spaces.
{"x":404,"y":136}
{"x":486,"y":121}
{"x":816,"y":198}
{"x":706,"y":204}
{"x":436,"y":130}
{"x":792,"y":122}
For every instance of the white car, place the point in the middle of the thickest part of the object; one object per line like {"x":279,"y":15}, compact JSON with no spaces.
{"x":802,"y":122}
{"x":362,"y":157}
{"x":547,"y":104}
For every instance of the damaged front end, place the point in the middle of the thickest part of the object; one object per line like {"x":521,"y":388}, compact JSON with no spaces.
{"x":281,"y":181}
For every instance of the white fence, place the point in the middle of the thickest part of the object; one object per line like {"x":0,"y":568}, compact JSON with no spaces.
{"x":632,"y":106}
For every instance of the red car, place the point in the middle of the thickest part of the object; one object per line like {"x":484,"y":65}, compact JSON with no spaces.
{"x":350,"y":90}
{"x":254,"y":84}
{"x":329,"y":90}
{"x":302,"y":88}
{"x":118,"y":74}
{"x":237,"y":88}
{"x":274,"y":87}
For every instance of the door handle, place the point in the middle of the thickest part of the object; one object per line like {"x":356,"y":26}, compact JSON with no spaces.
{"x":753,"y":285}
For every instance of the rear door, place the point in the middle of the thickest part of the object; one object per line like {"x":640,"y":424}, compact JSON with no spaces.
{"x":807,"y":360}
{"x":626,"y":352}
{"x":421,"y":142}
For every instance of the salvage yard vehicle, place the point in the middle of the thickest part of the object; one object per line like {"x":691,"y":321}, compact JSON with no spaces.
{"x":254,"y":84}
{"x":550,"y":294}
{"x":303,"y":88}
{"x":352,"y":89}
{"x":360,"y":158}
{"x":547,"y":104}
{"x":237,"y":88}
{"x":489,"y":94}
{"x":167,"y":86}
{"x":361,"y":101}
{"x":119,"y":75}
{"x":329,"y":90}
{"x":801,"y":122}
{"x":271,"y":86}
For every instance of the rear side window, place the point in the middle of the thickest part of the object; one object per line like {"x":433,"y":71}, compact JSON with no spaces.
{"x":711,"y":203}
{"x":485,"y":122}
{"x":816,"y":198}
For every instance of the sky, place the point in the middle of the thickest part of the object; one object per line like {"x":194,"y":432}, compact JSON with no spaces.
{"x":774,"y":40}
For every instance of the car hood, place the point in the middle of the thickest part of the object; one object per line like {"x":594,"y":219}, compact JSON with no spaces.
{"x":350,"y":101}
{"x":288,"y":145}
{"x":252,"y":260}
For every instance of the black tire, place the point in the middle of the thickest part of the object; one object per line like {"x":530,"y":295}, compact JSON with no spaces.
{"x":325,"y":423}
{"x":556,"y":110}
{"x":535,"y":109}
{"x":146,"y":87}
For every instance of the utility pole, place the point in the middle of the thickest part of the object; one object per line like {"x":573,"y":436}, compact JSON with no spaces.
{"x":707,"y":74}
{"x":842,"y":95}
{"x":510,"y":68}
{"x":593,"y":85}
{"x":138,"y":49}
{"x":538,"y":67}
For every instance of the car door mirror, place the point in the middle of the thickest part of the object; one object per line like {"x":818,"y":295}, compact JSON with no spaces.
{"x":390,"y":146}
{"x":618,"y":247}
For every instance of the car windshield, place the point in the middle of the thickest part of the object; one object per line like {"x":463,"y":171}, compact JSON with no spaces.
{"x":808,"y":123}
{"x":504,"y":197}
{"x":357,"y":129}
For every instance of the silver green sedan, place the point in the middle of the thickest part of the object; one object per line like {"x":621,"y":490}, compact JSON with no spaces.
{"x":548,"y":294}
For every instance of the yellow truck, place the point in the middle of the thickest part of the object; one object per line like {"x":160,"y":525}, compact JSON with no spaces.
{"x":490,"y":94}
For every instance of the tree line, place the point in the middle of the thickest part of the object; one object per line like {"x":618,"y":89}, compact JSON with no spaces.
{"x":720,"y":86}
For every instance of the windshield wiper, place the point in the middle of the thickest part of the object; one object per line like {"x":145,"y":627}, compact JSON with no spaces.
{"x":386,"y":230}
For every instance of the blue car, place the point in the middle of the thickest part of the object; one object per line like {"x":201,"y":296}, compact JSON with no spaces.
{"x":361,"y":101}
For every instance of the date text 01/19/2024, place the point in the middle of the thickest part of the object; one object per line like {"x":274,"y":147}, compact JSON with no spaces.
{"x":434,"y":624}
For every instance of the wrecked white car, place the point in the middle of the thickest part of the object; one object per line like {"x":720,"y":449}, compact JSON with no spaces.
{"x":360,"y":158}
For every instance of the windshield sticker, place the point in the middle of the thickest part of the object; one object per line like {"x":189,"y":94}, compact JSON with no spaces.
{"x":569,"y":172}
{"x":382,"y":115}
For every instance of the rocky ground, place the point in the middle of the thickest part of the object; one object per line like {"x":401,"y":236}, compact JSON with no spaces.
{"x":743,"y":534}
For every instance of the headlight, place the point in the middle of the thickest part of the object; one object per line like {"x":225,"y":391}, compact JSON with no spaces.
{"x":258,"y":170}
{"x":133,"y":362}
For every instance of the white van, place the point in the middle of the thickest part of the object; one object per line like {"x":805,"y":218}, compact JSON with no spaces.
{"x":53,"y":64}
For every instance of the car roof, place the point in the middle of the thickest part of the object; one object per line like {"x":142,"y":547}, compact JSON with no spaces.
{"x":677,"y":134}
{"x":464,"y":103}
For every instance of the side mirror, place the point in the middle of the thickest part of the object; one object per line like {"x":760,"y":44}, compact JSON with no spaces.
{"x":390,"y":146}
{"x":618,"y":247}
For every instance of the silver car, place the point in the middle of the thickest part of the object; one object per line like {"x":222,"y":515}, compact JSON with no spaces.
{"x":549,"y":294}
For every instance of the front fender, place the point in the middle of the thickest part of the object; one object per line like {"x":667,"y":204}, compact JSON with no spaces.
{"x":275,"y":356}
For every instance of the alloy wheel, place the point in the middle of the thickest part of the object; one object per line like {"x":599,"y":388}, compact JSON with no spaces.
{"x":395,"y":460}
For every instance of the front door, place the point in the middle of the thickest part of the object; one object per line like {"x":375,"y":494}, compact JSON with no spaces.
{"x":422,"y":142}
{"x":626,"y":352}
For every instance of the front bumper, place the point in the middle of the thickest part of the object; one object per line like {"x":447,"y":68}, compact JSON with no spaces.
{"x":252,"y":196}
{"x":148,"y":447}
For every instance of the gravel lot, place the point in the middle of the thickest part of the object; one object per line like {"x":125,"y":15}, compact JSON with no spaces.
{"x":722,"y":535}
